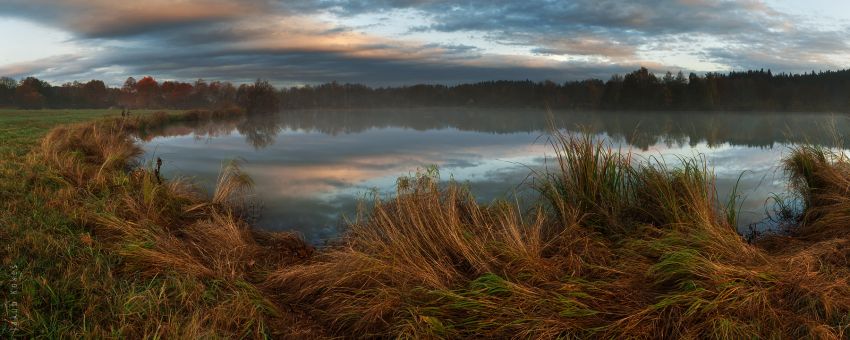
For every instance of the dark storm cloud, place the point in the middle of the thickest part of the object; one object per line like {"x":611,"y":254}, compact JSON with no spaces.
{"x":285,"y":41}
{"x":643,"y":17}
{"x":325,"y":67}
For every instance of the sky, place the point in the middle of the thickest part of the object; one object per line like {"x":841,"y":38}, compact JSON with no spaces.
{"x":397,"y":42}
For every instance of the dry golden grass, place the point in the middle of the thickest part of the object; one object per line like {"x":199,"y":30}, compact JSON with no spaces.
{"x":623,"y":248}
{"x":188,"y":266}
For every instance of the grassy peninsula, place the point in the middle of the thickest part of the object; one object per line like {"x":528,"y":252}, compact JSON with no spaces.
{"x":104,"y":247}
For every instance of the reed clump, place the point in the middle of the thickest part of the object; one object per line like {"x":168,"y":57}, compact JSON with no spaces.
{"x":620,"y":248}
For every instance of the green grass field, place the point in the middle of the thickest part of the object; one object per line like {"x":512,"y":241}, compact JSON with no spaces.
{"x":37,"y":240}
{"x":21,"y":129}
{"x":66,"y":284}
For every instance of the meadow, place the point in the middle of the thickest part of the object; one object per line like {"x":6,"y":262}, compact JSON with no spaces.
{"x":618,"y":247}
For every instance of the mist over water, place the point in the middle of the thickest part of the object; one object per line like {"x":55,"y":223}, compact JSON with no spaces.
{"x":311,"y":168}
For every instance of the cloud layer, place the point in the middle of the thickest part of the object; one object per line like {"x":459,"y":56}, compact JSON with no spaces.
{"x":392,"y":42}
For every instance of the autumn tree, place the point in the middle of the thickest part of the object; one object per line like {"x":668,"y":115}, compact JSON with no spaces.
{"x":127,"y":98}
{"x":147,"y":93}
{"x":30,"y":93}
{"x":95,"y":94}
{"x":259,"y":97}
{"x":176,"y":94}
{"x":7,"y":91}
{"x":221,"y":94}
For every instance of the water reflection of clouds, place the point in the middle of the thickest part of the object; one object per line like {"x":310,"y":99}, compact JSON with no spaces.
{"x":362,"y":164}
{"x":753,"y":170}
{"x":308,"y":170}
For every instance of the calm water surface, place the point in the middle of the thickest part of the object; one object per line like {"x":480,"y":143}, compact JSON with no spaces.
{"x":312,"y":167}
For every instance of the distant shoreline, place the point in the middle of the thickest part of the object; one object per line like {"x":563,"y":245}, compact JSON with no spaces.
{"x":754,"y":90}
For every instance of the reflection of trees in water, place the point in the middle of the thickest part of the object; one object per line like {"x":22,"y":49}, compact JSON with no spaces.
{"x":201,"y":129}
{"x":260,"y":130}
{"x":639,"y":129}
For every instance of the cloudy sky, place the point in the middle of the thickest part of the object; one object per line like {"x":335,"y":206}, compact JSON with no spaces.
{"x":392,"y":42}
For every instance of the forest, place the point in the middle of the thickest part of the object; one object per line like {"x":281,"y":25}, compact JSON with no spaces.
{"x":637,"y":90}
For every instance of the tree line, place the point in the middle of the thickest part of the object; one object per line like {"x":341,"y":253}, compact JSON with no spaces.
{"x":146,"y":93}
{"x":640,"y":89}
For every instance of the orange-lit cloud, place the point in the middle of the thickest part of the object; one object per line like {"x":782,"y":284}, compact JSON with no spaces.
{"x":297,"y":179}
{"x":110,"y":18}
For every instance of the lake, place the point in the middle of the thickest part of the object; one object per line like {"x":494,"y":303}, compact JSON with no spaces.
{"x":311,"y":168}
